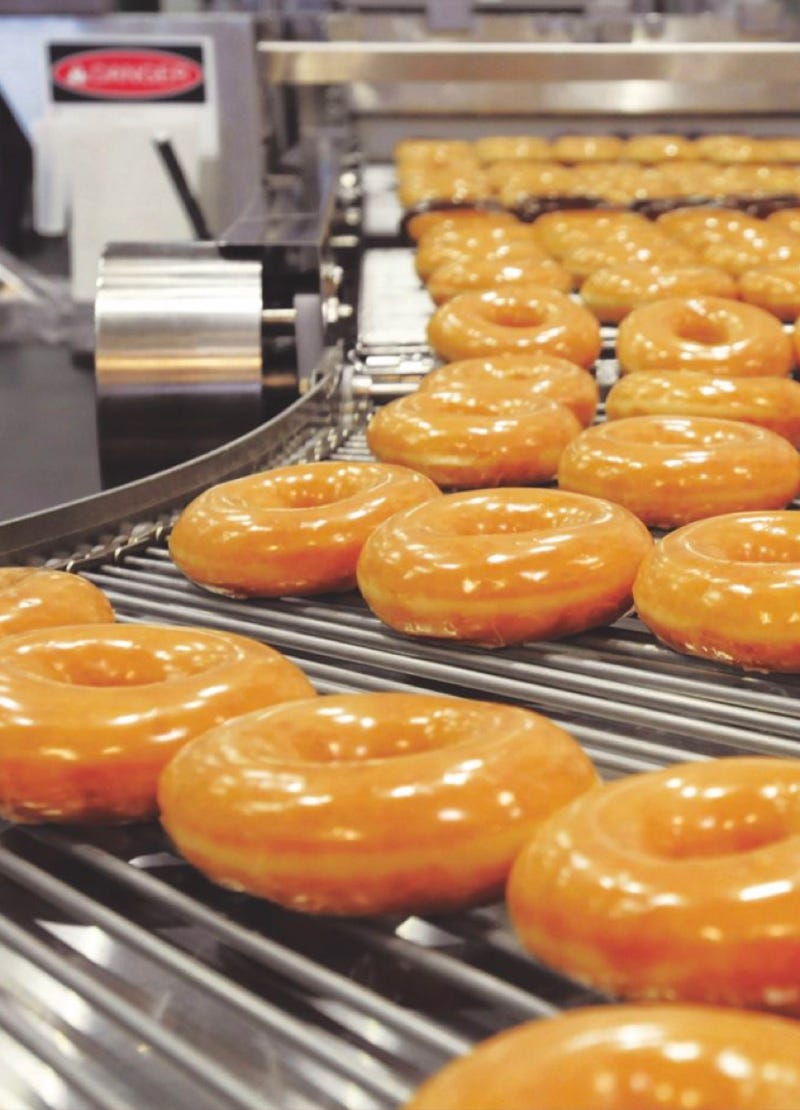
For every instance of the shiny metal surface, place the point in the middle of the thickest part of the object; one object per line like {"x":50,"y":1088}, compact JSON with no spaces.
{"x":556,"y":79}
{"x":178,"y":352}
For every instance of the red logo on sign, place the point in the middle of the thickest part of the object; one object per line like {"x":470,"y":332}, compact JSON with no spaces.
{"x":127,"y":74}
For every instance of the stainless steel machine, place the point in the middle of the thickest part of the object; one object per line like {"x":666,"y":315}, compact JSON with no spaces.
{"x":129,"y":980}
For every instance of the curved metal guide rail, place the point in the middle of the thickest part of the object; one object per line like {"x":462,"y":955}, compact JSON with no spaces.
{"x":130,"y":981}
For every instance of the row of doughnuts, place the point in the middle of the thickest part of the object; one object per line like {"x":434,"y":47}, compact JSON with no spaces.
{"x":616,"y":259}
{"x":646,"y":169}
{"x":223,"y":798}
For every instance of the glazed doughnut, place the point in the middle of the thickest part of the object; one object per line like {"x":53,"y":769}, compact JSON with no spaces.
{"x":562,"y":231}
{"x":634,"y":1057}
{"x":748,"y":253}
{"x":586,"y":148}
{"x":476,"y":242}
{"x":680,"y":884}
{"x":698,"y":227}
{"x":34,"y":597}
{"x":294,"y":530}
{"x":385,"y":773}
{"x":515,"y":319}
{"x":454,"y":183}
{"x":535,"y":375}
{"x":476,"y":274}
{"x":501,"y":148}
{"x":727,"y":148}
{"x":498,"y":567}
{"x":711,"y":334}
{"x":455,"y":216}
{"x":659,"y":148}
{"x":97,"y":710}
{"x":613,"y":292}
{"x":514,"y":185}
{"x":784,"y":148}
{"x":728,"y":589}
{"x":433,"y":152}
{"x":476,"y":437}
{"x":772,"y":403}
{"x":670,"y":470}
{"x":776,"y":289}
{"x":654,"y":250}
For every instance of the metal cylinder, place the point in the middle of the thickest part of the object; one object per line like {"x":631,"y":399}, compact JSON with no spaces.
{"x":178,"y":354}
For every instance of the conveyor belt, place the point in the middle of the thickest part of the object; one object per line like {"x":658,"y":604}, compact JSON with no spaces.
{"x":130,"y":981}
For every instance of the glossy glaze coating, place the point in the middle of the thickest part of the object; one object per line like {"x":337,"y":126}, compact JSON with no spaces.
{"x":496,"y":148}
{"x":33,"y":597}
{"x":537,"y":375}
{"x":657,"y":250}
{"x":461,"y":183}
{"x":712,"y":334}
{"x":586,"y":148}
{"x":474,"y":437}
{"x":772,"y":403}
{"x":773,"y":288}
{"x":515,"y":320}
{"x":436,"y":152}
{"x":502,"y":566}
{"x":294,"y":530}
{"x":768,"y":248}
{"x":370,"y":803}
{"x":92,"y":713}
{"x":698,"y":227}
{"x":634,"y":1057}
{"x":501,"y":242}
{"x":475,"y":274}
{"x":670,"y":470}
{"x":562,"y":231}
{"x":614,"y":291}
{"x":681,"y":884}
{"x":727,"y":589}
{"x":420,"y":223}
{"x":729,"y":147}
{"x":515,"y":183}
{"x":656,"y":147}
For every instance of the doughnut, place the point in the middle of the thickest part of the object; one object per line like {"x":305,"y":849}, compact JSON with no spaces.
{"x":295,"y":530}
{"x":670,"y":470}
{"x":370,"y":803}
{"x":453,"y":182}
{"x":559,"y":232}
{"x":513,"y":185}
{"x":34,"y":597}
{"x":680,"y":884}
{"x":613,"y":292}
{"x":498,"y":567}
{"x":475,"y":437}
{"x":623,"y":182}
{"x":476,"y":274}
{"x":784,"y":148}
{"x":433,"y":152}
{"x":654,"y":250}
{"x":702,"y":225}
{"x":712,"y":334}
{"x":455,"y":216}
{"x":750,"y":252}
{"x":772,"y":403}
{"x":728,"y":148}
{"x":658,"y":148}
{"x":501,"y":148}
{"x":99,"y":709}
{"x":728,"y":589}
{"x":482,"y":242}
{"x":586,"y":148}
{"x":515,"y":319}
{"x":776,"y":289}
{"x":634,"y":1057}
{"x":534,"y":375}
